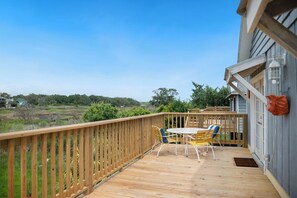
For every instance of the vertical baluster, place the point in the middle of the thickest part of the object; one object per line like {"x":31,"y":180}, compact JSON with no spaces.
{"x":125,"y":142}
{"x":132,"y":138}
{"x":117,"y":144}
{"x":128,"y":140}
{"x":245,"y":131}
{"x":89,"y":159}
{"x":96,"y":133}
{"x":168,"y":123}
{"x":23,"y":167}
{"x":74,"y":155}
{"x":105,"y":150}
{"x":61,"y":164}
{"x":68,"y":157}
{"x":53,"y":165}
{"x":142,"y":136}
{"x":101,"y":140}
{"x":34,"y":179}
{"x":44,"y":165}
{"x":136,"y":150}
{"x":230,"y":127}
{"x":109,"y":148}
{"x":120,"y":143}
{"x":10,"y":166}
{"x":113,"y":147}
{"x":136,"y":132}
{"x":81,"y":158}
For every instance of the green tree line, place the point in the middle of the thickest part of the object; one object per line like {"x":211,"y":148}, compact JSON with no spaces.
{"x":202,"y":96}
{"x":76,"y":99}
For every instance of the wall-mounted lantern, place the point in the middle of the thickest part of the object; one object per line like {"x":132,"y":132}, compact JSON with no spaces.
{"x":275,"y":68}
{"x":274,"y":71}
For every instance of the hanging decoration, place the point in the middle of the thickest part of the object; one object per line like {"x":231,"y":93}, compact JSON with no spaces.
{"x":278,"y":105}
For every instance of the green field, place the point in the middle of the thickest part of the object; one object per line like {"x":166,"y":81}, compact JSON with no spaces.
{"x":39,"y":117}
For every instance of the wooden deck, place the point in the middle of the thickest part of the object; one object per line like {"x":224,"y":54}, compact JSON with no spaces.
{"x":179,"y":176}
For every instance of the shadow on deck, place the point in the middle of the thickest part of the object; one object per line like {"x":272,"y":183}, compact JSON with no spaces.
{"x":179,"y":176}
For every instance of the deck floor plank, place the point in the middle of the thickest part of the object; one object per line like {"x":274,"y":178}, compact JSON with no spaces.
{"x":181,"y":177}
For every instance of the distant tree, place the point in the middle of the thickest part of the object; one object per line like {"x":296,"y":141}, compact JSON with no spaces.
{"x":208,"y":96}
{"x":41,"y":100}
{"x":95,"y":99}
{"x":222,"y":94}
{"x":163,"y":96}
{"x":100,"y":111}
{"x":4,"y":95}
{"x":198,"y":96}
{"x":32,"y":99}
{"x":75,"y":99}
{"x":20,"y":96}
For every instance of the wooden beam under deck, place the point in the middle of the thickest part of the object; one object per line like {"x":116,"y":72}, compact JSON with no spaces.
{"x":179,"y":176}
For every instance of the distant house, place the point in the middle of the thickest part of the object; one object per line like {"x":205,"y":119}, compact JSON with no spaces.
{"x":21,"y":102}
{"x":237,"y":102}
{"x":2,"y":102}
{"x":6,"y":102}
{"x":267,"y":65}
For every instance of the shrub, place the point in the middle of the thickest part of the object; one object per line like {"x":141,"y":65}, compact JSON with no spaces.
{"x":175,"y":106}
{"x":136,"y":111}
{"x":100,"y":111}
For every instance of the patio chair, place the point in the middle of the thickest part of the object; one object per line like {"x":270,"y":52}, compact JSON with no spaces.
{"x":216,"y":136}
{"x":161,"y":137}
{"x":203,"y":139}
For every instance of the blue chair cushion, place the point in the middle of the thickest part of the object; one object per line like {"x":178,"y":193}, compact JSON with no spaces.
{"x":215,"y":131}
{"x":163,"y":135}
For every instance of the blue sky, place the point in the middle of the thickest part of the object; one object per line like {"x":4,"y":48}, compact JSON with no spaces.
{"x":124,"y":48}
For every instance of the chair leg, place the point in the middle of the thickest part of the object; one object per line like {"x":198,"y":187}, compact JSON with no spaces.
{"x":197,"y":152}
{"x":160,"y":149}
{"x":153,"y":147}
{"x":214,"y":156}
{"x":220,"y":144}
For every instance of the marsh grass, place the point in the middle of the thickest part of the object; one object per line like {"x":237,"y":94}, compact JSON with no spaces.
{"x":40,"y":117}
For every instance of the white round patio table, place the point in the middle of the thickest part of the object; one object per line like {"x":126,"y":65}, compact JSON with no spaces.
{"x":185,"y":132}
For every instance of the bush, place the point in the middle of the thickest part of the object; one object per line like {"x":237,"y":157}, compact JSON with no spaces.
{"x":100,"y":111}
{"x":175,"y":106}
{"x":136,"y":111}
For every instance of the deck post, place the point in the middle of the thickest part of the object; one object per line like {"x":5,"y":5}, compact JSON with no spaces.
{"x":245,"y":131}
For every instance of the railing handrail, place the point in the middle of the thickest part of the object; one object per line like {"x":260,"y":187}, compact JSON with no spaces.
{"x":26,"y":133}
{"x":208,"y":113}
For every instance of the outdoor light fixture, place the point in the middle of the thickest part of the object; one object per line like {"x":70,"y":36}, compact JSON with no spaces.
{"x":274,"y":71}
{"x":274,"y":68}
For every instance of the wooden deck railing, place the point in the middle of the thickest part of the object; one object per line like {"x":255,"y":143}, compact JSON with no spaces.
{"x":67,"y":161}
{"x":233,"y":125}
